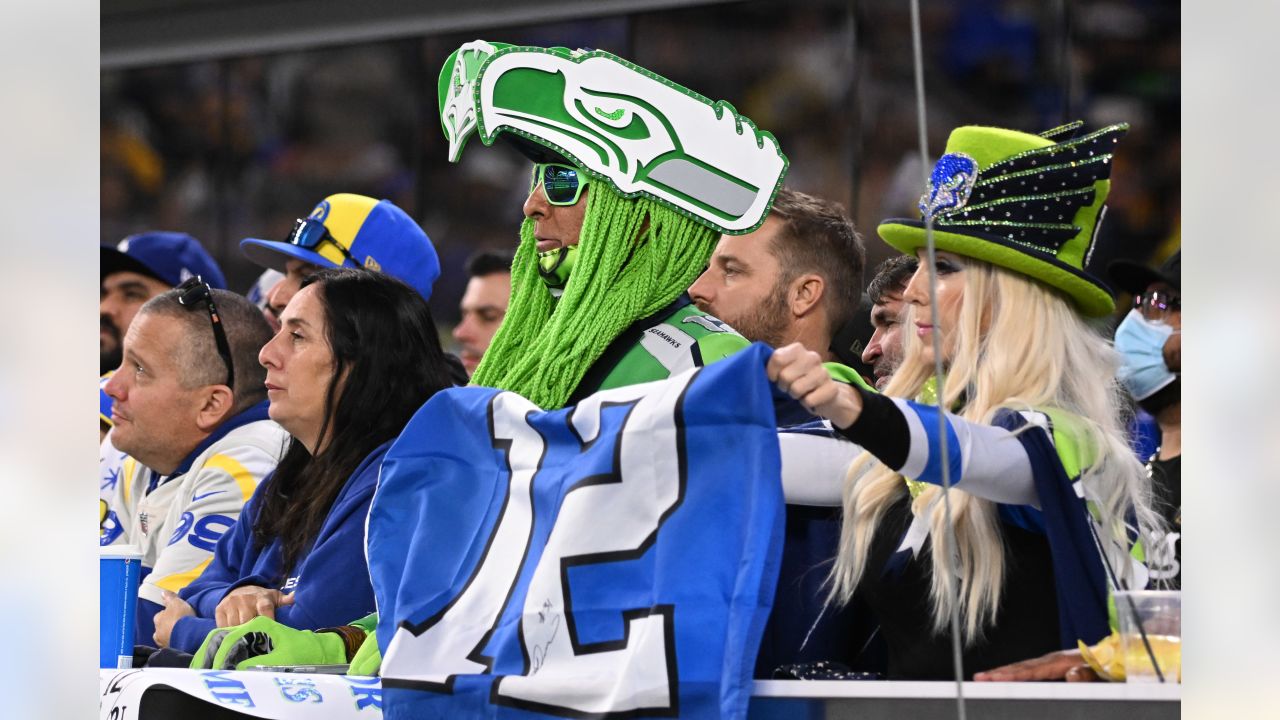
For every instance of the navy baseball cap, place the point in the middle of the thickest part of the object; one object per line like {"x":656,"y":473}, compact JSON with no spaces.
{"x":347,"y":230}
{"x":170,"y":257}
{"x":105,"y":401}
{"x":1134,"y":277}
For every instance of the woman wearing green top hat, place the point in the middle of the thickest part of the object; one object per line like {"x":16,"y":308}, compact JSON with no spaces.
{"x":1035,"y":450}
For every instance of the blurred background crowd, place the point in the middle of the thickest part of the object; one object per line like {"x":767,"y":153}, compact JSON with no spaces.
{"x":238,"y":146}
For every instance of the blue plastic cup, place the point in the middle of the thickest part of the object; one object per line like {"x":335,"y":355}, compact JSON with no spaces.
{"x":119,"y":569}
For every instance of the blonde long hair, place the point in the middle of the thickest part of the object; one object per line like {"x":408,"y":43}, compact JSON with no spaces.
{"x":1018,"y":345}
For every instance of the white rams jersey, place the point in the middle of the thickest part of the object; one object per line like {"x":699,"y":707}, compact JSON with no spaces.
{"x":110,"y":465}
{"x":177,"y":521}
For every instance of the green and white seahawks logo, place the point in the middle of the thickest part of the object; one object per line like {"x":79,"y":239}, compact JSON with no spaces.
{"x":614,"y":116}
{"x":623,"y":124}
{"x":457,"y":97}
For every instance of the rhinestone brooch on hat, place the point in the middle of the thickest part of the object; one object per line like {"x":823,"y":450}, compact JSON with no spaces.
{"x":950,"y":184}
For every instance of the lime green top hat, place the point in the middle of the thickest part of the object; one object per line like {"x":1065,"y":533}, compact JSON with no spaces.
{"x":639,"y":132}
{"x":1028,"y":203}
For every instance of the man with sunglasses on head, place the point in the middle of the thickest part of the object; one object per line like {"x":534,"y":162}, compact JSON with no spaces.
{"x":133,"y":271}
{"x":189,"y":409}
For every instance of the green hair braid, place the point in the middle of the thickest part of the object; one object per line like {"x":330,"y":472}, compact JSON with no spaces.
{"x":625,"y":270}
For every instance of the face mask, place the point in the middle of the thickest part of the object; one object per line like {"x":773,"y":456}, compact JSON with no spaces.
{"x":554,"y":267}
{"x":1140,"y":343}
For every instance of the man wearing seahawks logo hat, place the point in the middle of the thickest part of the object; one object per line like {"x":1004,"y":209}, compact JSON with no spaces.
{"x":634,"y":179}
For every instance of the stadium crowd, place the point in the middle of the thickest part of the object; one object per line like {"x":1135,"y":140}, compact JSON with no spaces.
{"x":966,"y":435}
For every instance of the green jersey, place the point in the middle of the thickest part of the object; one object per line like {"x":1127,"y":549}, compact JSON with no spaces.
{"x":676,"y":338}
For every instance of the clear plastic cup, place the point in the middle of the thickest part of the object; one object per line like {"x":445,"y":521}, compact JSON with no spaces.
{"x":1159,"y":614}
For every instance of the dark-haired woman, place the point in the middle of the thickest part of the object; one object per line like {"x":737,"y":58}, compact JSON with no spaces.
{"x":357,"y":355}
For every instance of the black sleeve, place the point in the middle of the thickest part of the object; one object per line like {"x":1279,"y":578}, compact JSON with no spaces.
{"x":457,"y":372}
{"x":880,"y":428}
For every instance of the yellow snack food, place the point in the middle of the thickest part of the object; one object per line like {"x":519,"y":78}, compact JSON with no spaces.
{"x":1104,"y":658}
{"x":1109,"y":661}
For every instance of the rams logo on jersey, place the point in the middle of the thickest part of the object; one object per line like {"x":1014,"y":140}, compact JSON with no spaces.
{"x":184,"y":526}
{"x":109,"y":527}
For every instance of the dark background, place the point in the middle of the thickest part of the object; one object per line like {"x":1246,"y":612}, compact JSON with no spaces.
{"x":231,"y":119}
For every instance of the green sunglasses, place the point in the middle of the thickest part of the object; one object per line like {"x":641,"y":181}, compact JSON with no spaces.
{"x":562,"y":184}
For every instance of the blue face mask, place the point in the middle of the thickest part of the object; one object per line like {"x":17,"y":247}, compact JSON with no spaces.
{"x":1140,"y":343}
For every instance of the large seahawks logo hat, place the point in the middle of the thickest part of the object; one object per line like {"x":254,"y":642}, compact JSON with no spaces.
{"x":1029,"y":203}
{"x":620,"y":123}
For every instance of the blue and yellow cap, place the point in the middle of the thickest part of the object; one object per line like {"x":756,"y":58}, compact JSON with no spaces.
{"x":376,"y":234}
{"x":104,"y":401}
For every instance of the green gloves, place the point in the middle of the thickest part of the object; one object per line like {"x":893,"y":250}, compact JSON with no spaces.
{"x":263,"y":641}
{"x":367,"y":660}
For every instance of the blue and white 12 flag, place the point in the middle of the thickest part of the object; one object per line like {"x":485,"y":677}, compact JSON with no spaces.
{"x":614,"y":559}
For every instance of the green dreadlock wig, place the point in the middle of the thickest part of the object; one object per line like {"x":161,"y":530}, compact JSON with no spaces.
{"x":634,"y":257}
{"x":670,"y":170}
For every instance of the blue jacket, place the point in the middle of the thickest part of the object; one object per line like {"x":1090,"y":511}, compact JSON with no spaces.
{"x":330,"y":584}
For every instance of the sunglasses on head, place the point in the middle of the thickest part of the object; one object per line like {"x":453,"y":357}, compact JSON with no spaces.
{"x":192,"y":292}
{"x":309,"y":232}
{"x":1157,"y":302}
{"x":561,"y":184}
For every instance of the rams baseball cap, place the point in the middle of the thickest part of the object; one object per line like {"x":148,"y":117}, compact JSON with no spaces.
{"x":347,"y":230}
{"x":170,"y":257}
